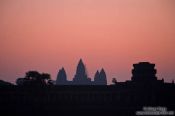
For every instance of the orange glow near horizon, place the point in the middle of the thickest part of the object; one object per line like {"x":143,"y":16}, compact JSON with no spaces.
{"x":45,"y":35}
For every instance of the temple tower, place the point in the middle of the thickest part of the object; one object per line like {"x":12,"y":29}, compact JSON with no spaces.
{"x":144,"y":72}
{"x":61,"y":77}
{"x":81,"y":77}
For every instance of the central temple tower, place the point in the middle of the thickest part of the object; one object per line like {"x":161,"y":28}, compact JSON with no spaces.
{"x":81,"y":77}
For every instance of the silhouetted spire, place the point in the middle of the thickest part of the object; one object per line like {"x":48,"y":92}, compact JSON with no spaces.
{"x":80,"y":61}
{"x":103,"y":77}
{"x":100,"y":78}
{"x":61,"y":77}
{"x":81,"y":70}
{"x":102,"y":71}
{"x":81,"y":74}
{"x":97,"y":75}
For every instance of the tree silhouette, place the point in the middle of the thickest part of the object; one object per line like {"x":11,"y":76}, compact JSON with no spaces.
{"x":35,"y":78}
{"x":44,"y":78}
{"x":114,"y":80}
{"x":33,"y":75}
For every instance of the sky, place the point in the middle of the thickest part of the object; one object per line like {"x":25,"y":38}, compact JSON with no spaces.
{"x":46,"y":35}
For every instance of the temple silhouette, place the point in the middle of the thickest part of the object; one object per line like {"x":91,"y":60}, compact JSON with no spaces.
{"x":93,"y":98}
{"x":144,"y":73}
{"x":81,"y":77}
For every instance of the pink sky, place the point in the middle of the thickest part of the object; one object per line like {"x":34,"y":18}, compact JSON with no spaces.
{"x":45,"y":35}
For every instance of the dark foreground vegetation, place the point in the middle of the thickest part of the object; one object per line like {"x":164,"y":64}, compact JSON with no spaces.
{"x":121,"y":99}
